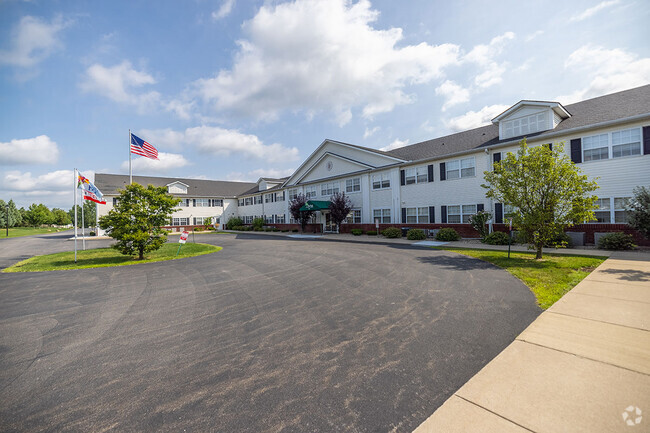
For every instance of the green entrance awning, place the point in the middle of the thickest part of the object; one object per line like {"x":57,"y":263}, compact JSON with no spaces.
{"x":315,"y":205}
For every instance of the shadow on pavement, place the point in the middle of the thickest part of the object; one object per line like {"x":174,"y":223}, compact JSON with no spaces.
{"x":629,"y":274}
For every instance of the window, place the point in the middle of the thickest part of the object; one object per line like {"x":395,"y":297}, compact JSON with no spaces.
{"x":329,"y":188}
{"x":293,"y":193}
{"x":269,"y":198}
{"x":417,"y":215}
{"x":626,"y":143}
{"x":415,"y":175}
{"x":354,"y":217}
{"x":595,"y":148}
{"x":383,"y":215}
{"x":248,"y":201}
{"x":268,"y":219}
{"x":525,"y":125}
{"x":279,"y":219}
{"x":241,"y":202}
{"x":199,"y":221}
{"x":620,"y":216}
{"x":202,"y":202}
{"x":184,"y":202}
{"x":180,"y":221}
{"x":381,"y":181}
{"x":310,"y":191}
{"x":353,"y":185}
{"x":603,"y":212}
{"x":460,"y":168}
{"x":115,"y":199}
{"x":279,"y":196}
{"x":409,"y":176}
{"x":217,"y":202}
{"x":457,"y":214}
{"x":248,"y":219}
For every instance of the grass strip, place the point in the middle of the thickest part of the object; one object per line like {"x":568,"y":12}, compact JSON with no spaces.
{"x":15,"y":232}
{"x":107,"y":257}
{"x":549,"y":278}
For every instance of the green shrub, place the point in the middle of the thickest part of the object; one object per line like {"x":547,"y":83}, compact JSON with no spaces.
{"x":371,"y":232}
{"x":356,"y":232}
{"x":562,"y":240}
{"x":258,"y":229}
{"x":392,"y":232}
{"x":415,"y":235}
{"x":234,"y":222}
{"x":295,"y":230}
{"x":616,"y":241}
{"x":93,"y":234}
{"x":479,"y":222}
{"x":285,"y":230}
{"x":447,"y":234}
{"x":496,"y":238}
{"x":258,"y":223}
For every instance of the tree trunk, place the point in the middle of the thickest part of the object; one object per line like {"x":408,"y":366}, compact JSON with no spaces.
{"x":539,"y":251}
{"x":141,"y":252}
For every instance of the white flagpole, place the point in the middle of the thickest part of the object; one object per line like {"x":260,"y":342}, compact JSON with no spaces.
{"x":130,"y":171}
{"x":83,"y":225}
{"x":74,"y":186}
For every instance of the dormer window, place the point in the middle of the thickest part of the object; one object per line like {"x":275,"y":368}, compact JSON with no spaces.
{"x":177,"y":188}
{"x":529,"y":117}
{"x":525,"y":125}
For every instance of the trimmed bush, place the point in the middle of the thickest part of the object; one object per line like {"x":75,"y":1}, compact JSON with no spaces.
{"x":258,"y":223}
{"x":295,"y":230}
{"x":93,"y":234}
{"x":496,"y":238}
{"x":356,"y":232}
{"x":447,"y":234}
{"x":616,"y":241}
{"x":479,"y":222}
{"x":415,"y":235}
{"x":285,"y":230}
{"x":371,"y":232}
{"x":234,"y":222}
{"x":392,"y":232}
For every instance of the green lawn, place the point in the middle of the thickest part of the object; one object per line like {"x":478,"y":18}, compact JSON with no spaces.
{"x":105,"y":257}
{"x":15,"y":232}
{"x":549,"y":278}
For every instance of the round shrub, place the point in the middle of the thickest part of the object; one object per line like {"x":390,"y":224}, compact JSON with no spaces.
{"x":234,"y":222}
{"x":371,"y":233}
{"x":415,"y":235}
{"x":496,"y":238}
{"x":392,"y":232}
{"x":447,"y":235}
{"x":295,"y":230}
{"x":616,"y":241}
{"x":356,"y":232}
{"x":92,"y":234}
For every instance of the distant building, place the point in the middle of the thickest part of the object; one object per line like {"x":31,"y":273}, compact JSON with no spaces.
{"x":436,"y":183}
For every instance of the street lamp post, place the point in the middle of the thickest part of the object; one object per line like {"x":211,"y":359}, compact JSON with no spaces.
{"x":7,"y":219}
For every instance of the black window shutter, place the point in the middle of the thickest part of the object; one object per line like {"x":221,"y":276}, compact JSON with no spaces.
{"x":430,"y":172}
{"x":498,"y":213}
{"x":443,"y":172}
{"x":443,"y":213}
{"x":550,"y":146}
{"x":646,"y":140}
{"x":403,"y":215}
{"x":496,"y":157}
{"x":194,"y":202}
{"x":432,"y":214}
{"x":402,"y":177}
{"x":480,"y":207}
{"x":576,"y":150}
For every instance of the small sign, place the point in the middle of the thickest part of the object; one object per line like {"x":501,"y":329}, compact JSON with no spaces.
{"x":183,"y":237}
{"x":510,"y":223}
{"x":377,"y":223}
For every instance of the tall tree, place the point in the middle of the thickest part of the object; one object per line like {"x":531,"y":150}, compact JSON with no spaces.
{"x":60,"y":217}
{"x":38,"y":214}
{"x":15,"y":217}
{"x":136,"y":219}
{"x":340,"y":207}
{"x":638,"y":210}
{"x":294,"y":209}
{"x":546,"y":188}
{"x":90,"y":214}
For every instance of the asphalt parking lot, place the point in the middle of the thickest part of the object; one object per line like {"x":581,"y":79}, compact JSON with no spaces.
{"x":268,"y":335}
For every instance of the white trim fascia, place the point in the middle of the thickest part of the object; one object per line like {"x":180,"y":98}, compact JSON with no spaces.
{"x":555,"y":106}
{"x":178,"y":182}
{"x":368,"y":166}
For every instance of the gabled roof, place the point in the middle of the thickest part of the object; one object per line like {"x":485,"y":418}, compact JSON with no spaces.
{"x":108,"y":184}
{"x":607,"y":108}
{"x":555,"y":106}
{"x":177,"y":182}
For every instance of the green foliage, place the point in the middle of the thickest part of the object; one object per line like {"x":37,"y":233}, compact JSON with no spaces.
{"x":447,"y":234}
{"x":38,"y":214}
{"x":392,"y":232}
{"x":479,"y":222}
{"x":294,"y":209}
{"x":60,"y":217}
{"x":15,"y":217}
{"x":616,"y":241}
{"x":340,"y":207}
{"x":371,"y":233}
{"x":136,"y":219}
{"x":90,"y":214}
{"x":638,"y":211}
{"x":560,"y":240}
{"x":234,"y":222}
{"x":294,"y":230}
{"x":356,"y":232}
{"x":548,"y":190}
{"x":496,"y":238}
{"x":258,"y":223}
{"x":207,"y":221}
{"x":415,"y":235}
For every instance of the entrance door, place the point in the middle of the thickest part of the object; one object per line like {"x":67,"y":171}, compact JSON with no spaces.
{"x":329,"y":225}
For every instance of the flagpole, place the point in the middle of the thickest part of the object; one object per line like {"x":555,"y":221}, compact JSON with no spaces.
{"x":83,"y":226}
{"x":130,"y":171}
{"x":74,"y":190}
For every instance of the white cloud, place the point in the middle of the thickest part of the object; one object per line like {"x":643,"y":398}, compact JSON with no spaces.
{"x":118,"y":83}
{"x":60,"y":180}
{"x":395,"y":144}
{"x":32,"y":41}
{"x":453,"y":94}
{"x":222,"y":142}
{"x":605,"y":71}
{"x":321,"y":55}
{"x":593,"y":10}
{"x":474,"y":119}
{"x":166,"y":162}
{"x":37,"y":150}
{"x":534,"y":35}
{"x":224,"y":10}
{"x":426,"y":126}
{"x":271,"y":172}
{"x":370,"y":132}
{"x":485,"y":55}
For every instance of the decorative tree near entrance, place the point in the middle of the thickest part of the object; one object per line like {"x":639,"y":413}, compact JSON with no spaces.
{"x":340,"y":207}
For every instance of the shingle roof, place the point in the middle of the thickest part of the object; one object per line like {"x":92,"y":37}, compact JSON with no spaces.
{"x":110,"y":183}
{"x":606,"y":108}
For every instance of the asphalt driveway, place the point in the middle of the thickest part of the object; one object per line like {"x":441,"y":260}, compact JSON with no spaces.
{"x":268,"y":335}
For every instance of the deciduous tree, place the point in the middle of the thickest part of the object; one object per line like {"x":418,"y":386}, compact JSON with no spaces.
{"x":638,"y":210}
{"x":547,"y":189}
{"x":340,"y":207}
{"x":294,"y":209}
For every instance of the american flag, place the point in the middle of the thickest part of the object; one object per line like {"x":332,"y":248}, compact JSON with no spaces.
{"x":141,"y":147}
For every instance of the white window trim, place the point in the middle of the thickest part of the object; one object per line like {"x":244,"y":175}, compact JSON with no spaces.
{"x":419,"y":171}
{"x":610,"y":146}
{"x":353,"y":185}
{"x":381,"y":218}
{"x":462,"y":214}
{"x":460,"y":168}
{"x":382,"y":177}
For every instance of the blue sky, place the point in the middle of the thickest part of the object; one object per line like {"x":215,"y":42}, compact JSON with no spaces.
{"x":236,"y":90}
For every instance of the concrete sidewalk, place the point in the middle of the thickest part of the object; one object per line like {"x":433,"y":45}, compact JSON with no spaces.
{"x":582,"y":366}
